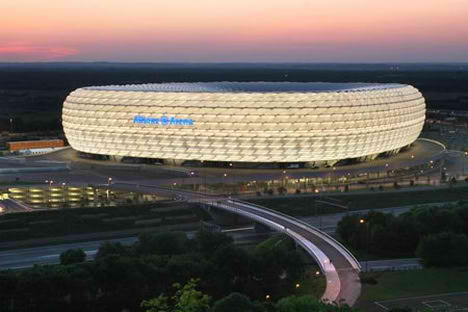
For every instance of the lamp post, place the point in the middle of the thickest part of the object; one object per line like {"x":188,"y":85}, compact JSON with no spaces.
{"x":63,"y":194}
{"x":224,"y":182}
{"x":49,"y":189}
{"x":316,"y":203}
{"x":465,"y":154}
{"x":362,"y":221}
{"x":191,"y":180}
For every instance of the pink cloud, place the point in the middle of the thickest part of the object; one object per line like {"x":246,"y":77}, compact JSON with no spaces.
{"x":27,"y":52}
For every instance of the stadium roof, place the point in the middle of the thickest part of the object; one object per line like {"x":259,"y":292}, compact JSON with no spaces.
{"x":226,"y":86}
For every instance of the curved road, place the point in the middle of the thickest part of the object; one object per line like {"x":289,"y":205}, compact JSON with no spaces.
{"x":340,"y":268}
{"x":349,"y":287}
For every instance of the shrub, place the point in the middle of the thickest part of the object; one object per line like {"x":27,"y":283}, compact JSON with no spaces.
{"x":72,"y":256}
{"x":443,"y":250}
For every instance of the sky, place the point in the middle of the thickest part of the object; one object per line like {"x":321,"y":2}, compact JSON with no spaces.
{"x":234,"y":30}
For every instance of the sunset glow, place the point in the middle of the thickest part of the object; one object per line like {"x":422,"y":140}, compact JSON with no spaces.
{"x":225,"y":31}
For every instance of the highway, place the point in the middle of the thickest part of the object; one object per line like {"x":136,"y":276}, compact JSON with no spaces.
{"x":28,"y":257}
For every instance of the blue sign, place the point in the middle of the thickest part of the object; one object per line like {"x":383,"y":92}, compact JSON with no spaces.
{"x":163,"y":120}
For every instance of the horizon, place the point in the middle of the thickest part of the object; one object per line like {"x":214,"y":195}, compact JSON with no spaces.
{"x":300,"y":31}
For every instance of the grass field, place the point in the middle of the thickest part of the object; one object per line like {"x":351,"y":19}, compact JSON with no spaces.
{"x":304,"y":206}
{"x":402,"y":284}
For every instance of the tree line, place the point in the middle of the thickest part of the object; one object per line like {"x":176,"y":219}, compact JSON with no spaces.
{"x":121,"y":277}
{"x":438,"y":235}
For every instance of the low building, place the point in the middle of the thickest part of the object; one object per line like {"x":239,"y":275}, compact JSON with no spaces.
{"x":33,"y":145}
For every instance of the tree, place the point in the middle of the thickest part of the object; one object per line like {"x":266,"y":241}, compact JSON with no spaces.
{"x":443,"y":250}
{"x":399,"y":237}
{"x":307,"y":304}
{"x":208,"y":242}
{"x":164,"y":243}
{"x":433,"y":220}
{"x":235,"y":302}
{"x":72,"y":256}
{"x":348,"y":229}
{"x":186,"y":299}
{"x":109,"y":248}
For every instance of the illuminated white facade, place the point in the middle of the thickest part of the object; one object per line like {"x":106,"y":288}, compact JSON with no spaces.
{"x":244,"y":121}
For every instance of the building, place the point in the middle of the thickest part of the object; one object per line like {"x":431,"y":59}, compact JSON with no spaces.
{"x":245,"y":122}
{"x":35,"y":146}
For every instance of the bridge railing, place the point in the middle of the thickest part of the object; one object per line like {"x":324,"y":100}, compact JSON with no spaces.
{"x":316,"y":253}
{"x":343,"y":250}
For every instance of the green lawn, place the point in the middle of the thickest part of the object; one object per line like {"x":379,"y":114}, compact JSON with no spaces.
{"x":415,"y":283}
{"x":281,"y":241}
{"x":304,"y":206}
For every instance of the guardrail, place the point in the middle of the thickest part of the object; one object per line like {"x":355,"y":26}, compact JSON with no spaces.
{"x":318,"y":258}
{"x":433,"y":141}
{"x":345,"y":252}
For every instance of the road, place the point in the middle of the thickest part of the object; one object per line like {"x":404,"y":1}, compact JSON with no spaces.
{"x":28,"y":257}
{"x":392,"y":264}
{"x":11,"y":205}
{"x":348,"y":287}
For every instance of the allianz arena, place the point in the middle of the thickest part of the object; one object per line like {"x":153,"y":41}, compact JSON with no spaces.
{"x":245,"y":122}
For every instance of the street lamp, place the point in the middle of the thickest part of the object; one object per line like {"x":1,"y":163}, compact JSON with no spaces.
{"x":63,"y":193}
{"x":362,"y":221}
{"x":192,"y":182}
{"x":224,"y":182}
{"x":463,"y":161}
{"x":50,"y":185}
{"x":316,"y":203}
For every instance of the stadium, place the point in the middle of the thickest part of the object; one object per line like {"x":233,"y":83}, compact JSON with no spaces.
{"x":245,"y":123}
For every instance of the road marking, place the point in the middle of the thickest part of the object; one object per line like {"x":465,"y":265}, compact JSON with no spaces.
{"x":381,"y":305}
